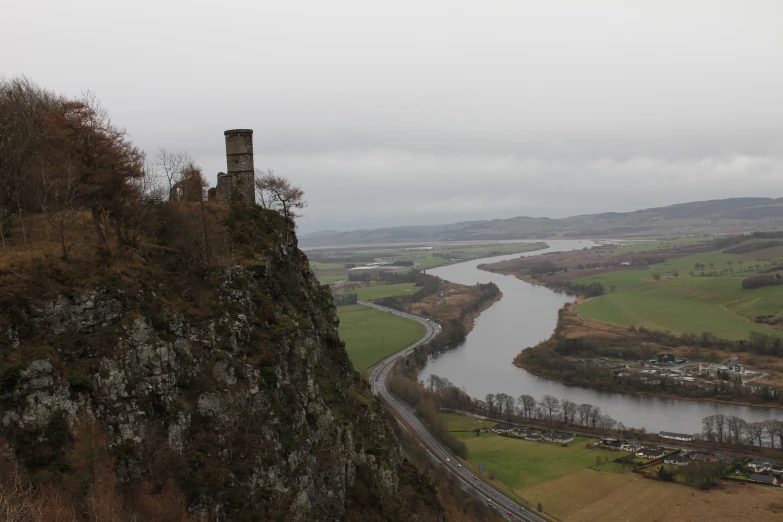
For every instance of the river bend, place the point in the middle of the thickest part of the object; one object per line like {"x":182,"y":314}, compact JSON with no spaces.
{"x":525,"y":316}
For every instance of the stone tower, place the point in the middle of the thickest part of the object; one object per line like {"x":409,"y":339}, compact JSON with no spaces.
{"x":238,"y":184}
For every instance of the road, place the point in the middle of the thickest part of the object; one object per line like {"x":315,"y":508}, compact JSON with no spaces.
{"x":405,"y":414}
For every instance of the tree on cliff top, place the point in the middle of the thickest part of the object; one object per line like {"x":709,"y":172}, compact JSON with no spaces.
{"x":277,"y":193}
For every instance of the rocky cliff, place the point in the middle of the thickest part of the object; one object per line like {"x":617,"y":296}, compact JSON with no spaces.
{"x":231,"y":380}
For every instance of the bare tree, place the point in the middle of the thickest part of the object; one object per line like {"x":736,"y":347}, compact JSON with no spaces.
{"x":606,"y":422}
{"x":774,"y":429}
{"x":276,"y":193}
{"x":708,"y":427}
{"x":595,"y":413}
{"x":57,"y":197}
{"x":551,"y":405}
{"x":584,"y":413}
{"x":526,"y":404}
{"x":569,"y":411}
{"x":170,"y":164}
{"x":720,"y":427}
{"x":736,"y":426}
{"x":755,"y":432}
{"x":490,"y":400}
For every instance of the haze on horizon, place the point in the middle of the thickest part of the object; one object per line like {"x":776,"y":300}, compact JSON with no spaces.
{"x":441,"y":111}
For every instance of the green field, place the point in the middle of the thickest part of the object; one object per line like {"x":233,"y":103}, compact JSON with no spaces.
{"x":325,"y":266}
{"x":520,"y":463}
{"x":684,"y":304}
{"x":332,"y":278}
{"x":370,"y":334}
{"x":368,"y":293}
{"x":430,"y":262}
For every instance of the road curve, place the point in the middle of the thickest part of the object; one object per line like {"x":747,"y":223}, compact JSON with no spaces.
{"x":406,"y":415}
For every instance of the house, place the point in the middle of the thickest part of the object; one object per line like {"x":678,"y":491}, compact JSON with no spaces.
{"x":767,"y":479}
{"x":759,"y":466}
{"x":535,"y":437}
{"x":676,"y":460}
{"x":776,"y":469}
{"x":611,"y":444}
{"x":676,"y":436}
{"x":562,"y":438}
{"x":703,"y":456}
{"x":502,"y":427}
{"x":633,"y":447}
{"x":520,"y":432}
{"x":650,"y":453}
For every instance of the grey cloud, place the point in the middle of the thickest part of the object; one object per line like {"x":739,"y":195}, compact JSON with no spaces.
{"x":409,"y":112}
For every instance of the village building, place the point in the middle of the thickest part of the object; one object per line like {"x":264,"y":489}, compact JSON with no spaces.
{"x":767,"y":479}
{"x":650,"y":453}
{"x":502,"y":427}
{"x":611,"y":444}
{"x":676,"y":436}
{"x":759,"y":466}
{"x":677,"y":460}
{"x":562,"y":438}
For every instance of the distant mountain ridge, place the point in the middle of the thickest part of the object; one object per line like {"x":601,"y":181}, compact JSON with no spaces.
{"x":719,"y":216}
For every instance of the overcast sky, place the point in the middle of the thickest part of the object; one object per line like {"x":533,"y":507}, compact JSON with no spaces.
{"x":421,"y":112}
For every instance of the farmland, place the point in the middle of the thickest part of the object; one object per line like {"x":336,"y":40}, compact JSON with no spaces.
{"x":519,"y":463}
{"x":376,"y":291}
{"x":570,"y":487}
{"x":681,"y":286}
{"x":589,"y":495}
{"x":682,"y":304}
{"x":334,"y":265}
{"x":370,"y":335}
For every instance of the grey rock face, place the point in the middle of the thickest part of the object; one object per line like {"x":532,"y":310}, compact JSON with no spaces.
{"x":261,"y":389}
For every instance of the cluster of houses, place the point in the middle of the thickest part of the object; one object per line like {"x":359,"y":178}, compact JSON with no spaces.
{"x":765,"y":472}
{"x":526,"y":433}
{"x":666,"y":365}
{"x":632,"y":447}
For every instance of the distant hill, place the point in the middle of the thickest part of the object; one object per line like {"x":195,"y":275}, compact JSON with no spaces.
{"x":720,"y":216}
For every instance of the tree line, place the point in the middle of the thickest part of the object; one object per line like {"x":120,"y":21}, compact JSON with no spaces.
{"x":731,"y":429}
{"x":549,"y":408}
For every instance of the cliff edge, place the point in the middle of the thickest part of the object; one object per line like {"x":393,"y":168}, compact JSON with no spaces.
{"x":223,"y":376}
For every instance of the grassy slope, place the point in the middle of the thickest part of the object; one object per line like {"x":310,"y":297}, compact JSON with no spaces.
{"x":370,"y":335}
{"x":688,"y":304}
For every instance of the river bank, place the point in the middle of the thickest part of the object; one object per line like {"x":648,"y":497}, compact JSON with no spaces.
{"x":526,"y":316}
{"x":580,"y":348}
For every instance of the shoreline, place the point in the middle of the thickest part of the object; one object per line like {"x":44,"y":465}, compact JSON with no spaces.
{"x":652,"y":394}
{"x":635,"y":393}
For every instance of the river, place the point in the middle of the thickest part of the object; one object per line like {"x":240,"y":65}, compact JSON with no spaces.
{"x":525,"y":316}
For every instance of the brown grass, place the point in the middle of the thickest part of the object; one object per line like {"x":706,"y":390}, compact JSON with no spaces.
{"x":590,"y":495}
